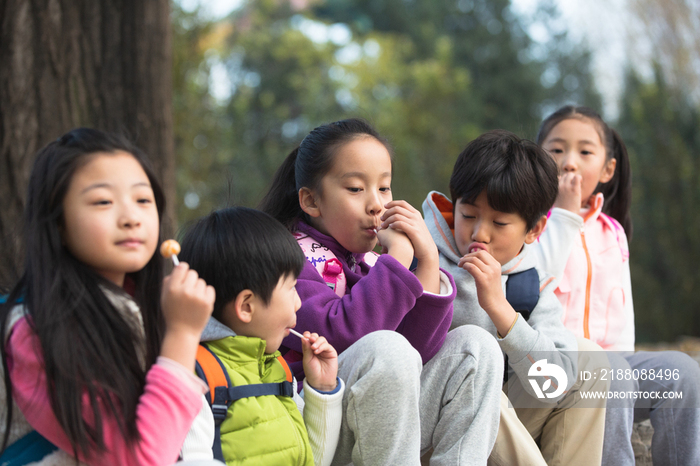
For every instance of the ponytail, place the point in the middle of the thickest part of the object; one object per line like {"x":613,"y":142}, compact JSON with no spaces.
{"x":618,"y":191}
{"x":282,"y":200}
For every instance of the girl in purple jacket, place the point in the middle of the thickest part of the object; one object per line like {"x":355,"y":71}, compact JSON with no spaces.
{"x":411,"y":385}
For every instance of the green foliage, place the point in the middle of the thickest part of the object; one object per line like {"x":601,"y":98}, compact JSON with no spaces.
{"x":429,"y":75}
{"x":198,"y":119}
{"x":660,"y":128}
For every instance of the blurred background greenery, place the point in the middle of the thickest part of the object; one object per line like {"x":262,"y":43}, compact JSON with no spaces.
{"x":431,"y":76}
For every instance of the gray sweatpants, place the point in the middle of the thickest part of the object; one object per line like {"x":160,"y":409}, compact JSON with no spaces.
{"x":676,"y":423}
{"x":395,"y":408}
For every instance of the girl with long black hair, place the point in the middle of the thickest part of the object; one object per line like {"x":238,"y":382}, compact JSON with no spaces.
{"x":99,"y":360}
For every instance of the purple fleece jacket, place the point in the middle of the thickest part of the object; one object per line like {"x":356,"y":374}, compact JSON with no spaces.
{"x":384,"y":297}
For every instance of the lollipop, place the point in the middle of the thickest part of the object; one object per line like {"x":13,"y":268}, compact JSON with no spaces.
{"x":294,"y":332}
{"x":170,"y":248}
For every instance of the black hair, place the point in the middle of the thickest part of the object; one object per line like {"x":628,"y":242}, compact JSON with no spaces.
{"x":306,"y":165}
{"x":89,"y":347}
{"x":517,"y":174}
{"x":618,"y":191}
{"x":239,"y":248}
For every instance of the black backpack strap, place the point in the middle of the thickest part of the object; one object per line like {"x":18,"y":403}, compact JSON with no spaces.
{"x":261,"y":389}
{"x":523,"y":293}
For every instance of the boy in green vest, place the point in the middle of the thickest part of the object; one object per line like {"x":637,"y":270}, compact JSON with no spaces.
{"x":253,"y":262}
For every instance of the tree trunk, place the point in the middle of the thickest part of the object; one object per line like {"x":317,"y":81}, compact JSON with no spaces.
{"x":70,"y":63}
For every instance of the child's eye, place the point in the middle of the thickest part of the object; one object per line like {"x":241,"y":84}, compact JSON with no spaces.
{"x":385,"y":190}
{"x":500,"y":224}
{"x":555,"y":151}
{"x":467,"y":216}
{"x":102,"y":202}
{"x":145,"y":200}
{"x":586,"y":152}
{"x":354,"y":190}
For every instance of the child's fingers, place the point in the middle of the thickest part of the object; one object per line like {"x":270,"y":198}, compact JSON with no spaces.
{"x":210,"y":294}
{"x":204,"y":292}
{"x":473,"y":270}
{"x":400,"y":217}
{"x":413,"y":226}
{"x":576,"y":181}
{"x":325,"y":348}
{"x":473,"y":257}
{"x":318,"y":342}
{"x":400,"y":225}
{"x":310,"y":342}
{"x":190,"y":281}
{"x":199,"y":287}
{"x":399,"y":206}
{"x":398,"y":203}
{"x":311,"y":337}
{"x":407,"y":211}
{"x":179,"y":273}
{"x":480,"y":261}
{"x":570,"y":181}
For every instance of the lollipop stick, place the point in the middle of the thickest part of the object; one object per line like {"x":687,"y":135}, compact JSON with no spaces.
{"x":291,"y":330}
{"x":176,"y":261}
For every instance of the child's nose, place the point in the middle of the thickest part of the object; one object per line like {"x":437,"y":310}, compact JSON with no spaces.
{"x":128,"y":216}
{"x":568,"y":163}
{"x":374,"y":204}
{"x":480,"y":233}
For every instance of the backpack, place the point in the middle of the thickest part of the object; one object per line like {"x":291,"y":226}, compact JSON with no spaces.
{"x":327,"y":264}
{"x":222,"y":395}
{"x":523,"y":293}
{"x":32,"y":446}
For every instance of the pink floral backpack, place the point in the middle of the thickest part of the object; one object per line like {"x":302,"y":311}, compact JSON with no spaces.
{"x":327,"y":264}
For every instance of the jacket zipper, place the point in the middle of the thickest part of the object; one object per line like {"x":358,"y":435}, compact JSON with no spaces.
{"x":586,"y":331}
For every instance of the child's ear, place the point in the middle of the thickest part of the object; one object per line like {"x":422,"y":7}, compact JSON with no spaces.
{"x":608,"y":170}
{"x":243,"y":306}
{"x":307,"y":201}
{"x":536,"y":231}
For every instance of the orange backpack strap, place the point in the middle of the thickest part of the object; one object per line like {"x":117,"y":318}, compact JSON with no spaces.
{"x":286,"y":368}
{"x":212,"y":373}
{"x":211,"y":370}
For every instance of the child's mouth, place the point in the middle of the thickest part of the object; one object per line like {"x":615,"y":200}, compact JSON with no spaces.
{"x":476,"y":247}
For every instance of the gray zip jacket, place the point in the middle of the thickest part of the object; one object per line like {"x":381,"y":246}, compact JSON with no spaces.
{"x":541,"y":336}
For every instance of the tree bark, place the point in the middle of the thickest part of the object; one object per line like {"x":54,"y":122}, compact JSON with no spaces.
{"x":70,"y":63}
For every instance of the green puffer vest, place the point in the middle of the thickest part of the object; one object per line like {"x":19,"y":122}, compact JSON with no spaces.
{"x":263,"y":430}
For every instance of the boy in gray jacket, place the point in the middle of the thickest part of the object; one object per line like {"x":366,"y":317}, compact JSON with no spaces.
{"x":501,"y":189}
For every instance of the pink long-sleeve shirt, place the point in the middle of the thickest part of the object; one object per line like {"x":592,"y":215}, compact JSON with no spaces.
{"x":166,"y":409}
